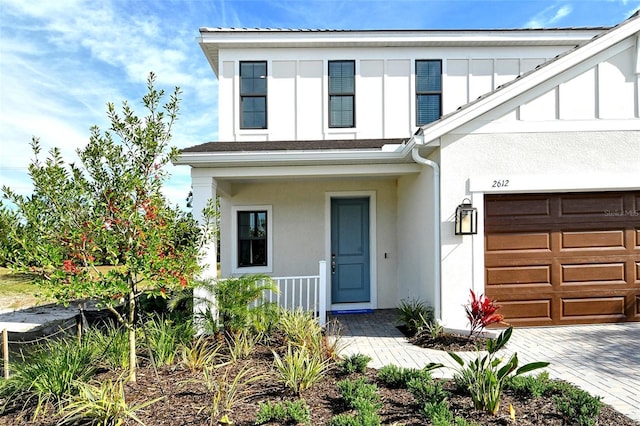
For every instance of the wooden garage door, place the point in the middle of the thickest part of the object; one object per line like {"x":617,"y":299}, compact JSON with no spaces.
{"x":564,"y":258}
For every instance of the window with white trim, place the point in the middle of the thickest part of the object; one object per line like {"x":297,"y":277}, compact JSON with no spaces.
{"x":253,"y":95}
{"x":342,"y":93}
{"x":252,"y":243}
{"x":428,"y":91}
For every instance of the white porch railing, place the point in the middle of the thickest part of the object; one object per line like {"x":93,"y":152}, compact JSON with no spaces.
{"x":308,"y":293}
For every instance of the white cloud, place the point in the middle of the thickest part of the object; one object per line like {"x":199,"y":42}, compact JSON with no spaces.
{"x":549,"y":17}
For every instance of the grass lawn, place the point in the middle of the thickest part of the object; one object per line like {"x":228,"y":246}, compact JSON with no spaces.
{"x":17,"y":291}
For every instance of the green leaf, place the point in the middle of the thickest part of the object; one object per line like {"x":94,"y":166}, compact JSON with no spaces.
{"x":457,"y":358}
{"x":508,"y":367}
{"x":531,"y":366}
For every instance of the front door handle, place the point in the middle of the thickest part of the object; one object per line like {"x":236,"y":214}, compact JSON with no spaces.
{"x":333,"y":264}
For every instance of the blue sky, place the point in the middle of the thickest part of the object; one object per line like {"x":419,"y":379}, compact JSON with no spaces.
{"x":61,"y":61}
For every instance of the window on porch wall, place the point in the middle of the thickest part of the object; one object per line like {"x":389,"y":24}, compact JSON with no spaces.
{"x":252,"y":238}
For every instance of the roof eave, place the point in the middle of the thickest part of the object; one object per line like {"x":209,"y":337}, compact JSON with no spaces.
{"x":400,"y":154}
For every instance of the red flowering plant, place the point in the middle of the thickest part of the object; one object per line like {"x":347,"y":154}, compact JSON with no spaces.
{"x":102,"y":229}
{"x":481,"y":312}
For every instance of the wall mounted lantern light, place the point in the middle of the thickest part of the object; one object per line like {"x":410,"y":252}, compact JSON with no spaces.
{"x":466,"y":218}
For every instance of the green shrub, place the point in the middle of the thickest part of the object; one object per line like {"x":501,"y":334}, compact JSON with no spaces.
{"x":112,"y":343}
{"x":438,"y":412}
{"x":363,"y":398}
{"x":359,"y":419}
{"x":53,"y":372}
{"x":440,"y":415}
{"x":288,"y":412}
{"x":579,"y":406}
{"x":164,"y":338}
{"x":299,"y":412}
{"x":485,"y":377}
{"x":398,"y":377}
{"x":535,"y":386}
{"x":425,"y":391}
{"x":356,"y":363}
{"x":415,"y":314}
{"x":353,"y":391}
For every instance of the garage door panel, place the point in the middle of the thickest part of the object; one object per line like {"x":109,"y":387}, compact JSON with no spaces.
{"x":592,"y":309}
{"x":510,"y":207}
{"x":604,"y":273}
{"x":590,"y":240}
{"x":582,"y":259}
{"x":519,"y":241}
{"x":521,"y":312}
{"x":587,"y":205}
{"x":519,"y":275}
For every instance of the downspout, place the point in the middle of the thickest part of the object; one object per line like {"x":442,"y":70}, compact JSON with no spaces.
{"x":419,"y":140}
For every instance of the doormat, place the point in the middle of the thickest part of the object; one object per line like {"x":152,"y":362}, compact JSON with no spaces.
{"x":352,"y":311}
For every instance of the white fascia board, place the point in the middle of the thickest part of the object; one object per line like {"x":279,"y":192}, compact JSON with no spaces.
{"x":226,"y":39}
{"x":231,"y":174}
{"x":531,"y":81}
{"x":234,"y":159}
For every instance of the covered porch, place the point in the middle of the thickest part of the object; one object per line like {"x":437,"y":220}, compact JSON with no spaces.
{"x":281,"y":215}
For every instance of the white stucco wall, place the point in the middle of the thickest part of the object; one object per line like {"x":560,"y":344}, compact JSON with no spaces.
{"x":531,"y":162}
{"x":299,"y":231}
{"x":417,"y":261}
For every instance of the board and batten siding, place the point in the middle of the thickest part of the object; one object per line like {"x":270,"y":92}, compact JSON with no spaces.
{"x":297,"y":99}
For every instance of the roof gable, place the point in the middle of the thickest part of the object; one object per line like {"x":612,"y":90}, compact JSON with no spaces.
{"x":534,"y":84}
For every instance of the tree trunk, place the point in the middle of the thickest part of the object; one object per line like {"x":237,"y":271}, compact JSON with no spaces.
{"x":132,"y":336}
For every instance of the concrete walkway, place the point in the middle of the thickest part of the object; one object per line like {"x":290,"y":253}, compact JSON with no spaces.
{"x":604,"y":360}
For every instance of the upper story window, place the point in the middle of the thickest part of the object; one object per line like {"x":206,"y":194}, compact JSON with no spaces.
{"x":428,"y":91}
{"x":253,"y":95}
{"x":342,"y":91}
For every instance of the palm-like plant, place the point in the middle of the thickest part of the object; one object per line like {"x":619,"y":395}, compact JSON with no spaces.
{"x":300,"y":368}
{"x":104,"y":404}
{"x":238,"y":300}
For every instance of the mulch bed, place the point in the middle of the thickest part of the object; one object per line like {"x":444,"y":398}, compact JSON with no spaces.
{"x":187,"y":402}
{"x":448,"y":342}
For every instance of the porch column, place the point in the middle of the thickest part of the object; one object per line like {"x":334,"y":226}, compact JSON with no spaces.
{"x":205,"y":189}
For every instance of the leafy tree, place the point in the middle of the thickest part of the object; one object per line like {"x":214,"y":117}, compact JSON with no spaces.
{"x":107,"y":210}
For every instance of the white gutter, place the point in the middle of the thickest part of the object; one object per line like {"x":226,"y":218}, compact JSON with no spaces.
{"x":419,"y":140}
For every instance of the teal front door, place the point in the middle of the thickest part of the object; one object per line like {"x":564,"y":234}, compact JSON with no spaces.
{"x":350,"y":269}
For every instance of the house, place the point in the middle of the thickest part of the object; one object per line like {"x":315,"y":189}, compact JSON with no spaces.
{"x":348,"y":154}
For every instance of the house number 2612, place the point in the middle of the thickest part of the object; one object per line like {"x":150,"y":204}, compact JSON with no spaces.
{"x":500,"y":183}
